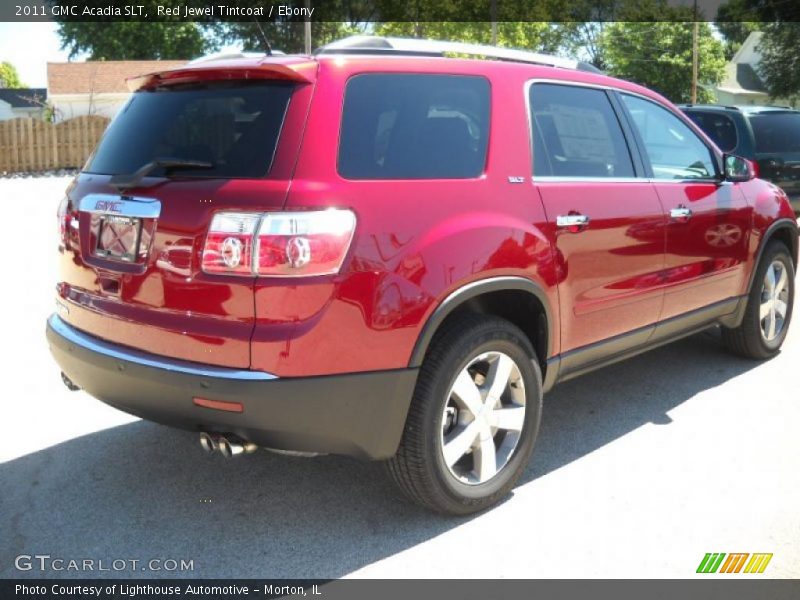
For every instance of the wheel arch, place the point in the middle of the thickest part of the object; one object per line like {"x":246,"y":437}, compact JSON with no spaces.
{"x":783,"y":230}
{"x":518,"y":299}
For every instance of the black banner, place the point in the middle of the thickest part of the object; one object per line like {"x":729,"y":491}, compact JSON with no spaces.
{"x":353,"y":589}
{"x":368,"y":11}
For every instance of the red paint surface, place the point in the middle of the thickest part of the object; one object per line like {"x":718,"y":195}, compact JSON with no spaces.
{"x":415,"y":243}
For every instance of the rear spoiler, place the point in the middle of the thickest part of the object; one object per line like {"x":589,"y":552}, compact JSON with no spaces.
{"x":299,"y":72}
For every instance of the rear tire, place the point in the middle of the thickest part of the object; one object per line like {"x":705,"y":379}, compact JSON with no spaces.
{"x":769,"y":307}
{"x":474,"y":417}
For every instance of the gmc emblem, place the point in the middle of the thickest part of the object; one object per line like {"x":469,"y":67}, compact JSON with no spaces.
{"x":109,"y":206}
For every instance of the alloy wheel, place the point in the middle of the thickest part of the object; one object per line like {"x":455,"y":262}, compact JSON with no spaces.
{"x":774,"y":301}
{"x":483,"y":418}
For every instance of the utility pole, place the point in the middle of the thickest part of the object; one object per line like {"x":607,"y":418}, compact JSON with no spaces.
{"x":695,"y":52}
{"x":493,"y":17}
{"x":308,"y":29}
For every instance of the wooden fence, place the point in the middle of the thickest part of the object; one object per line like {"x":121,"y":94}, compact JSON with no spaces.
{"x":35,"y":145}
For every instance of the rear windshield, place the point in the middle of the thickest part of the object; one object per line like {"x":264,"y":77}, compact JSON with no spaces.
{"x":233,"y":126}
{"x":776,"y":132}
{"x":403,"y":126}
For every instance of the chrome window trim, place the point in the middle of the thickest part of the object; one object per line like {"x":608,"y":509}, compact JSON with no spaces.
{"x":556,"y":179}
{"x":145,"y":359}
{"x":577,"y":179}
{"x":123,"y":206}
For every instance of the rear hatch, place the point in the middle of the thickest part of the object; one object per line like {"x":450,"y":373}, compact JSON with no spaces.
{"x":777,"y":136}
{"x":189,"y":144}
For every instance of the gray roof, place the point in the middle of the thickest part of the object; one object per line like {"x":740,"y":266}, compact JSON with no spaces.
{"x":23,"y":97}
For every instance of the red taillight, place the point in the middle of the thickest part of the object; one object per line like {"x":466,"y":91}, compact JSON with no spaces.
{"x":229,"y":244}
{"x":280,"y":244}
{"x":62,"y":218}
{"x":756,"y":168}
{"x":296,"y":244}
{"x":67,"y":221}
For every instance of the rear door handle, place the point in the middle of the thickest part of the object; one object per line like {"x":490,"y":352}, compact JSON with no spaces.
{"x":681,"y":213}
{"x":574,"y":222}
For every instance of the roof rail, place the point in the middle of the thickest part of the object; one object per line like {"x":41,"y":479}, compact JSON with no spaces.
{"x":707,"y":105}
{"x":377,"y":45}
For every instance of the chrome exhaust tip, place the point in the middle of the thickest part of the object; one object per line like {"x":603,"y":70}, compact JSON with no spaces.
{"x":233,"y":446}
{"x":209,"y":443}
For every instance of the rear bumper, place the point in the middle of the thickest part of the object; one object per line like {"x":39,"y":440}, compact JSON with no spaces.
{"x":358,"y":414}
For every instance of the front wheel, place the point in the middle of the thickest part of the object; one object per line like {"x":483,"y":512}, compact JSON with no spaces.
{"x":769,"y":307}
{"x":474,"y":417}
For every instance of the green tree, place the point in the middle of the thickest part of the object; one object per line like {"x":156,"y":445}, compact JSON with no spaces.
{"x":780,"y":60}
{"x":121,"y":40}
{"x":286,"y":36}
{"x":659,"y":56}
{"x":780,"y":44}
{"x":9,"y":78}
{"x":167,"y":38}
{"x":538,"y":36}
{"x":735,"y":22}
{"x":585,"y":21}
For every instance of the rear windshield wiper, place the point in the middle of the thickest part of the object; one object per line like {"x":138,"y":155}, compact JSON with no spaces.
{"x":124,"y":181}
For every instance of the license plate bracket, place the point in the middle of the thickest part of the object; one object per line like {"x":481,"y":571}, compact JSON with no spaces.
{"x":118,"y":237}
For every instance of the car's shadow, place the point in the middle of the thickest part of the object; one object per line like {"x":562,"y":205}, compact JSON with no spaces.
{"x":142,"y":491}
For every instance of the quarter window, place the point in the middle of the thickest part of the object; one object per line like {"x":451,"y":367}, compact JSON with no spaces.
{"x":674,"y":150}
{"x":403,"y":126}
{"x":576,"y":133}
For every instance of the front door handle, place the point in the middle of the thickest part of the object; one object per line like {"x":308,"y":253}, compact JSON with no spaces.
{"x":572,"y":222}
{"x":681,"y":213}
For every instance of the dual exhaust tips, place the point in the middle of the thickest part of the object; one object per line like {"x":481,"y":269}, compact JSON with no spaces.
{"x":226,"y":444}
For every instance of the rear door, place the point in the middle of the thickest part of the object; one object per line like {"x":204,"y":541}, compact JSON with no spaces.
{"x":608,"y":223}
{"x":131,"y":259}
{"x":709,"y":220}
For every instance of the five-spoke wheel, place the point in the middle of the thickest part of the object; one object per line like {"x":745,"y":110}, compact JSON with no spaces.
{"x":483,"y":417}
{"x":474,"y":417}
{"x":769,"y":307}
{"x":774,"y":300}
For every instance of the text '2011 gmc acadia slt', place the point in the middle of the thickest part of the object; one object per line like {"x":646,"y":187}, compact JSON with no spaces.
{"x":379,"y":252}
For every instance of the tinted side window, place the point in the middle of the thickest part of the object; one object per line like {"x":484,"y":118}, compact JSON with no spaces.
{"x":399,"y":126}
{"x":576,"y":133}
{"x":720,"y":128}
{"x":674,"y":150}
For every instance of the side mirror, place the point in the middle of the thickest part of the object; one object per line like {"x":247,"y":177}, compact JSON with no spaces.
{"x":738,"y":168}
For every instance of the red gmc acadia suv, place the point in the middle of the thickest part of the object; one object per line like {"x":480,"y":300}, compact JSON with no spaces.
{"x":386,"y":252}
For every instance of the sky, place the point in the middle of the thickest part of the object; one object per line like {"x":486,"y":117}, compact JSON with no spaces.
{"x":29,"y":47}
